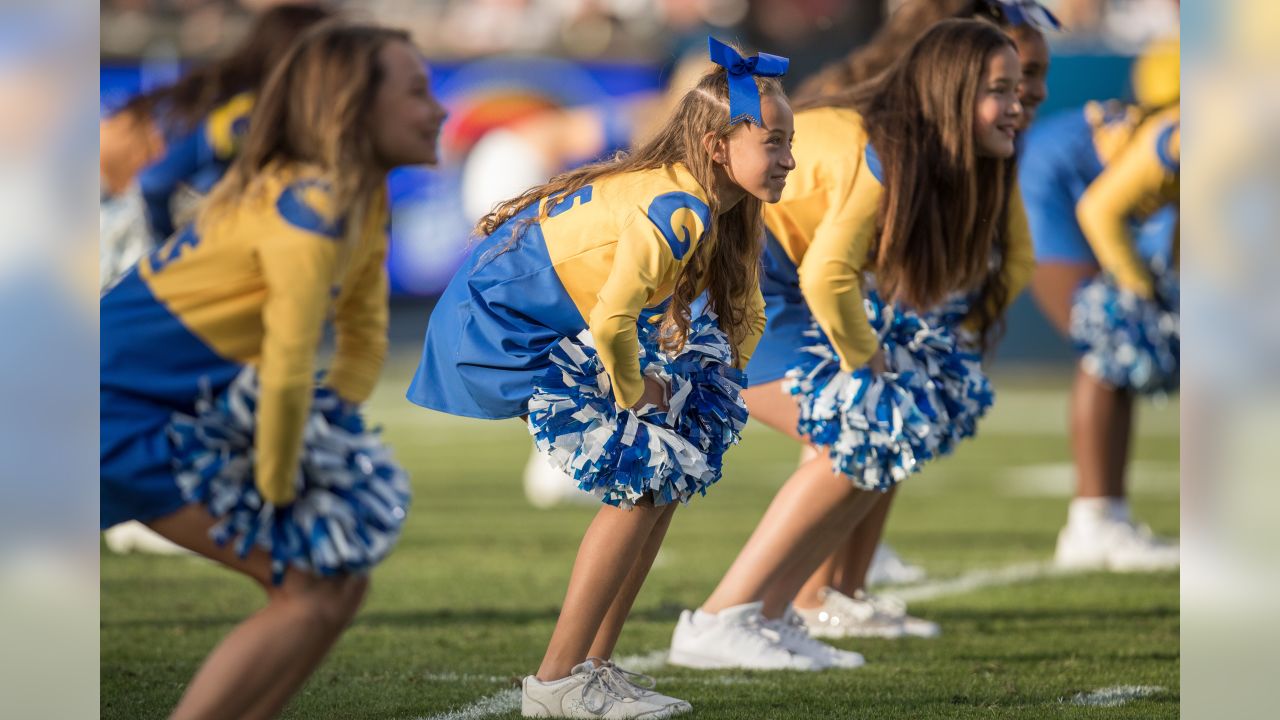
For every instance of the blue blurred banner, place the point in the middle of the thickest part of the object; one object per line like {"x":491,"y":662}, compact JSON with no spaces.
{"x":429,"y":228}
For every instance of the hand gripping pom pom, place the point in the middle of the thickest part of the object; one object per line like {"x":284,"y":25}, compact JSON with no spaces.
{"x":1128,"y":341}
{"x":351,"y":501}
{"x":880,"y":428}
{"x":620,"y":455}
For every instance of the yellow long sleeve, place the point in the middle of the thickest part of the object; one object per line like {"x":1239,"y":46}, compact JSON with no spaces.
{"x":831,"y":270}
{"x":642,"y":263}
{"x":755,"y":311}
{"x":1133,"y":185}
{"x":360,"y":324}
{"x":299,"y":269}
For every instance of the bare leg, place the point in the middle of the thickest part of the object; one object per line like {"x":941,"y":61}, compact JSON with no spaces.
{"x":1101,"y":416}
{"x":1101,"y":419}
{"x":254,"y":671}
{"x":608,"y":554}
{"x":607,"y":636}
{"x":802,"y":525}
{"x":862,"y":544}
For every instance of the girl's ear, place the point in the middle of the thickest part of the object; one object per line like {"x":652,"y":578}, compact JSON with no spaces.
{"x":717,"y":148}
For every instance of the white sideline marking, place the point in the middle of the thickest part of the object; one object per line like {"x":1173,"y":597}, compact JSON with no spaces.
{"x":978,"y":579}
{"x":1113,"y":696}
{"x":496,"y":704}
{"x":645,"y":663}
{"x":509,"y":699}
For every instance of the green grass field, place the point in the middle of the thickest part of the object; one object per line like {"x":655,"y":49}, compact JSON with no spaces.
{"x":466,"y":603}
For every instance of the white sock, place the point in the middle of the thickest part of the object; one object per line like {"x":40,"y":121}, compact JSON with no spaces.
{"x":704,"y":619}
{"x":1089,"y":511}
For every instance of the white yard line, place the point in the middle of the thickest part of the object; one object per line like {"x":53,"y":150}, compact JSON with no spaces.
{"x":508,"y":700}
{"x":496,"y":704}
{"x":977,"y":580}
{"x":1113,"y":696}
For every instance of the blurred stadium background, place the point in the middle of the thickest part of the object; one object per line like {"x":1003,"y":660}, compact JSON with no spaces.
{"x":469,"y":598}
{"x":497,"y":63}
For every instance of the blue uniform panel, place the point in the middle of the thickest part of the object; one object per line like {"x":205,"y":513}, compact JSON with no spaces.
{"x":151,"y":366}
{"x":492,"y":331}
{"x":1057,"y":163}
{"x":787,"y":316}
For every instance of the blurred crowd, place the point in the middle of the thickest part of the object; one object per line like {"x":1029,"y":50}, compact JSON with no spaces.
{"x":633,"y":29}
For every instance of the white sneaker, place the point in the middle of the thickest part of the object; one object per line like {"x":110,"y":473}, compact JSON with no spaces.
{"x":794,"y":636}
{"x":888,"y":568}
{"x":736,"y":637}
{"x":864,"y":615}
{"x":895,"y":607}
{"x":1114,"y":545}
{"x":547,"y":486}
{"x":841,"y":616}
{"x":641,"y":686}
{"x":133,"y":536}
{"x":589,"y":692}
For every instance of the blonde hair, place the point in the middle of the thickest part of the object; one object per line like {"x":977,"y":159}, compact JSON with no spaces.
{"x":314,"y":112}
{"x":726,"y":263}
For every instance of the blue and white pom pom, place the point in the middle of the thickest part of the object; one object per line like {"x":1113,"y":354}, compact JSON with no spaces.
{"x":351,"y":497}
{"x":880,"y":427}
{"x":620,"y":455}
{"x":1128,"y":341}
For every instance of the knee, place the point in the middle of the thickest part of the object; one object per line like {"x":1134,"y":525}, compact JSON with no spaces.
{"x":330,"y":603}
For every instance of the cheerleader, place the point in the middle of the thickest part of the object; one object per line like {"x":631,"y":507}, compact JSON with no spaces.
{"x":837,"y":591}
{"x":169,"y":146}
{"x":573,"y":312}
{"x":213,"y":429}
{"x":881,"y":292}
{"x":1091,"y":178}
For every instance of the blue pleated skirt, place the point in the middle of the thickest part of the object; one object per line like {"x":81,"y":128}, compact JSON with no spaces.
{"x":490,"y":335}
{"x":787,"y":317}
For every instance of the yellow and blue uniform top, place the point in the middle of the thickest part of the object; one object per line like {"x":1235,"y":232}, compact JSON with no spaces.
{"x":602,"y":257}
{"x":1092,"y":176}
{"x":196,"y":158}
{"x":826,"y":222}
{"x":252,"y":284}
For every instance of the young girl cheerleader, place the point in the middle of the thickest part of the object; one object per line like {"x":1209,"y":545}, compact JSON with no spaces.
{"x":906,"y":283}
{"x":835,"y":601}
{"x":182,"y":137}
{"x":1089,"y":178}
{"x":214,"y":431}
{"x":574,"y":311}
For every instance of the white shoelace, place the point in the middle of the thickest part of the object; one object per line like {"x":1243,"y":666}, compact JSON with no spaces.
{"x":792,"y":627}
{"x":632,"y":684}
{"x":600,"y":688}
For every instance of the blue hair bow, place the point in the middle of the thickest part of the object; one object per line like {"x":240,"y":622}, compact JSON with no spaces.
{"x":744,"y":96}
{"x":1019,"y":13}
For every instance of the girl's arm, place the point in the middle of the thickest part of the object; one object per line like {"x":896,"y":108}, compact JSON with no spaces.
{"x":1135,"y":184}
{"x":643,"y":262}
{"x":299,"y":254}
{"x":1020,"y":254}
{"x":360,"y":325}
{"x":755,"y":311}
{"x":831,"y":271}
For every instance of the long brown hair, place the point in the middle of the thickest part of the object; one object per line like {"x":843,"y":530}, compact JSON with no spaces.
{"x":185,"y":103}
{"x":943,"y":215}
{"x":314,"y":111}
{"x":891,"y":41}
{"x":726,"y":263}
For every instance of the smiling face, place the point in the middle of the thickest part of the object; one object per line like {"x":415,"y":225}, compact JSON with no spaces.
{"x":998,"y":114}
{"x":758,"y":159}
{"x":1033,"y":53}
{"x":405,"y":118}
